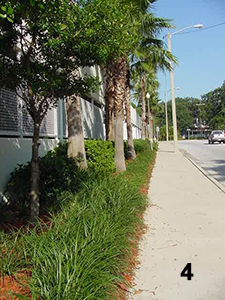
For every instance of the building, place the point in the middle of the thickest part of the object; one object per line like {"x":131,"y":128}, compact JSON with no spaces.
{"x":16,"y":127}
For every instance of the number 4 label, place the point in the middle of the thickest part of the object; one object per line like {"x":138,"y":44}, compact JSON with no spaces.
{"x":187,"y":272}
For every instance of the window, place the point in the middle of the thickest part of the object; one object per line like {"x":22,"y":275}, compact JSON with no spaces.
{"x":9,"y":112}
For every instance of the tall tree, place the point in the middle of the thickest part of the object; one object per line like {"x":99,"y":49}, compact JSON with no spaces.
{"x":120,"y":80}
{"x":130,"y":29}
{"x":117,"y":84}
{"x":213,"y":109}
{"x":150,"y":87}
{"x":109,"y":102}
{"x":144,"y":69}
{"x":42,"y":46}
{"x":130,"y":142}
{"x":32,"y":65}
{"x":149,"y":56}
{"x":76,"y":147}
{"x":188,"y":112}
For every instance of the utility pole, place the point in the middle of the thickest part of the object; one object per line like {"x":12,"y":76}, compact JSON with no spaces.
{"x":169,"y":35}
{"x":173,"y":99}
{"x":167,"y":129}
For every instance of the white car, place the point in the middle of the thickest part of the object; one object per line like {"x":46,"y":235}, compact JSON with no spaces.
{"x":216,"y":136}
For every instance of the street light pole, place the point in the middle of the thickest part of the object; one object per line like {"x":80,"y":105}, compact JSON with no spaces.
{"x":169,"y":35}
{"x":167,"y":129}
{"x":173,"y":99}
{"x":150,"y":122}
{"x":166,"y":112}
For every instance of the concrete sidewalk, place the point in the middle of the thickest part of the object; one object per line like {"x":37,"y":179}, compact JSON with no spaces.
{"x":186,"y":224}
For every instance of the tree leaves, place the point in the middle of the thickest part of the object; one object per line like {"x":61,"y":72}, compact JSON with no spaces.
{"x":7,"y":12}
{"x":214,"y":108}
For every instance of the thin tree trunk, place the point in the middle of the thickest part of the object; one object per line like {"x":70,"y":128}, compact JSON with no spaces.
{"x":76,"y":147}
{"x":34,"y":192}
{"x":120,"y":81}
{"x":109,"y":102}
{"x":143,"y":107}
{"x":130,"y":151}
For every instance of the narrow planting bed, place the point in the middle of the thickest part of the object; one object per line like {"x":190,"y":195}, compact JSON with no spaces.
{"x":89,"y":248}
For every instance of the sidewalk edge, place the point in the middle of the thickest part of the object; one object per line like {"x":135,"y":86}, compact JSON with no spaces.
{"x":192,"y":160}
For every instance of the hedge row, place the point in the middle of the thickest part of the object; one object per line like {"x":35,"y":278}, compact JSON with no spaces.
{"x":59,"y":173}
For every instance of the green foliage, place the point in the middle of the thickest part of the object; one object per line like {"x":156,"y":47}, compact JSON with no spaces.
{"x":141,"y":145}
{"x":187,"y":110}
{"x":162,"y":133}
{"x":133,"y":105}
{"x":214,"y":108}
{"x":86,"y":246}
{"x":54,"y":166}
{"x":100,"y":155}
{"x":6,"y":12}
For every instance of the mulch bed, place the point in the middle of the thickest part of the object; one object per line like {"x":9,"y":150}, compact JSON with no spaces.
{"x":15,"y":284}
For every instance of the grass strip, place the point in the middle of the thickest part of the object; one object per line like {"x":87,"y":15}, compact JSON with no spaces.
{"x":84,"y":251}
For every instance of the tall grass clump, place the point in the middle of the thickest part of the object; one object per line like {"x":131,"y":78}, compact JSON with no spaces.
{"x":85,"y":249}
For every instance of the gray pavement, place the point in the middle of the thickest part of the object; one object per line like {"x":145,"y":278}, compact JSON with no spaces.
{"x":210,"y":157}
{"x":186,"y":224}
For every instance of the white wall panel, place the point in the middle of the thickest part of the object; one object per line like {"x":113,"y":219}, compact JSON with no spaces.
{"x":15,"y":151}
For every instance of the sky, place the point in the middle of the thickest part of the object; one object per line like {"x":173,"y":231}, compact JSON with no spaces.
{"x":201,"y":53}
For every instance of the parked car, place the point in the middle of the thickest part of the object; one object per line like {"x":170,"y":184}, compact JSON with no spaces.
{"x":216,"y":136}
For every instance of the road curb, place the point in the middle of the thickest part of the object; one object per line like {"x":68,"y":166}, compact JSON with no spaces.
{"x":206,"y":174}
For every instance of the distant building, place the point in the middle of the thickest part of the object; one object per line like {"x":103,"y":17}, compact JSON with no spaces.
{"x":198,"y":130}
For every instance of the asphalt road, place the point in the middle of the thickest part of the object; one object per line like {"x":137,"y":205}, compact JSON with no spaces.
{"x":210,"y":157}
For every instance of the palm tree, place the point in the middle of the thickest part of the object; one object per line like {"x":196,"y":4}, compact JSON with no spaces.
{"x":127,"y":98}
{"x":129,"y":41}
{"x":109,"y":102}
{"x":139,"y":36}
{"x":149,"y":57}
{"x":120,"y":84}
{"x":150,"y":87}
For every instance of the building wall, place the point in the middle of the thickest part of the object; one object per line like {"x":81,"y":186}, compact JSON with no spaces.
{"x":14,"y":151}
{"x":16,"y":127}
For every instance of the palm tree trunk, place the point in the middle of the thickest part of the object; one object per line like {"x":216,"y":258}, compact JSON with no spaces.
{"x":130,"y":151}
{"x":76,"y":147}
{"x":34,"y":191}
{"x":120,"y":82}
{"x":109,"y":102}
{"x":143,"y":107}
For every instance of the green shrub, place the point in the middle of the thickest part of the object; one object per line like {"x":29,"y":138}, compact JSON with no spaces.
{"x":141,"y":145}
{"x":58,"y":173}
{"x":100,"y":155}
{"x":85,"y":249}
{"x":162,"y":133}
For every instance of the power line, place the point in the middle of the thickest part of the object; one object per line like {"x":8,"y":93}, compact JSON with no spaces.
{"x":206,"y":28}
